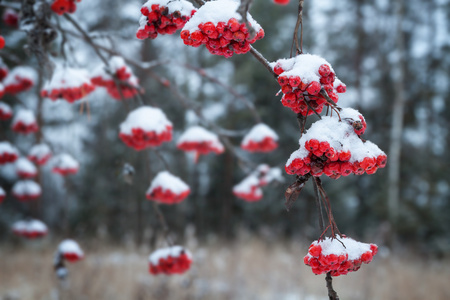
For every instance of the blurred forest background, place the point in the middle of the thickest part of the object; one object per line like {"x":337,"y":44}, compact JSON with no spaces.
{"x":394,"y":58}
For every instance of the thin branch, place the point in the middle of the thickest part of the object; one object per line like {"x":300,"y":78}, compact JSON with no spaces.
{"x":299,"y":24}
{"x":163,"y":222}
{"x":262,"y":60}
{"x":319,"y":206}
{"x":331,"y":292}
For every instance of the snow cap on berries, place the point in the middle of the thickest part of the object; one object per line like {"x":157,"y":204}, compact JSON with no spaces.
{"x":261,"y":138}
{"x":5,"y":110}
{"x":25,"y":168}
{"x":145,"y":127}
{"x":40,"y":153}
{"x":30,"y":228}
{"x":24,"y":122}
{"x":197,"y":138}
{"x":19,"y":79}
{"x":2,"y":194}
{"x":171,"y":260}
{"x":25,"y":190}
{"x":64,"y":164}
{"x":70,"y":250}
{"x":167,"y":188}
{"x":8,"y":153}
{"x":69,"y":84}
{"x":248,"y":189}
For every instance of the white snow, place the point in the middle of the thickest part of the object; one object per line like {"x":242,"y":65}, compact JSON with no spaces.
{"x":199,"y":134}
{"x":19,"y":227}
{"x":25,"y":116}
{"x":67,"y":78}
{"x":64,"y":161}
{"x":306,"y":66}
{"x":258,"y":133}
{"x":19,"y":73}
{"x":353,"y":248}
{"x":4,"y":108}
{"x":174,"y":251}
{"x":167,"y":181}
{"x":218,"y":11}
{"x":39,"y":151}
{"x":70,"y":246}
{"x":146,"y":118}
{"x":6,"y":147}
{"x":2,"y":192}
{"x":249,"y":184}
{"x":184,"y":7}
{"x":36,"y":226}
{"x":26,"y":188}
{"x":114,"y":64}
{"x":268,"y":174}
{"x":23,"y":165}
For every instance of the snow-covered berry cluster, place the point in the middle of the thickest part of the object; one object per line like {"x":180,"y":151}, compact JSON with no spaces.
{"x":145,"y":127}
{"x":261,"y":138}
{"x":333,"y":147}
{"x":2,"y":194}
{"x":117,"y":78}
{"x":168,"y":189}
{"x":172,"y":260}
{"x":302,"y":78}
{"x":338,"y":255}
{"x":249,"y":189}
{"x":70,"y":250}
{"x":68,"y":84}
{"x":25,"y":169}
{"x":64,"y":164}
{"x":61,"y":7}
{"x":163,"y":17}
{"x":5,"y":111}
{"x":24,"y":122}
{"x":2,"y":42}
{"x":4,"y":70}
{"x":26,"y":190}
{"x":19,"y":80}
{"x":40,"y":154}
{"x":30,"y":229}
{"x":217,"y":25}
{"x":200,"y":141}
{"x":8,"y":153}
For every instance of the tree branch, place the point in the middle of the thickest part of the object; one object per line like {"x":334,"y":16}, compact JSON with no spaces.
{"x":331,"y":292}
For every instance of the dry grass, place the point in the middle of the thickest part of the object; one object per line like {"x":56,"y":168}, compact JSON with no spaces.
{"x":246,"y":269}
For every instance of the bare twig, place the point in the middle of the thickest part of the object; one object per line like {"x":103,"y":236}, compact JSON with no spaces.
{"x":299,"y":24}
{"x":319,"y":206}
{"x":262,"y":60}
{"x":243,"y":10}
{"x":331,"y":292}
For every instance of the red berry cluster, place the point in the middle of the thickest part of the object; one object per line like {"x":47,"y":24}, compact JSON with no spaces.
{"x":8,"y":153}
{"x":61,"y":7}
{"x":171,"y":264}
{"x":252,"y":195}
{"x":166,"y":196}
{"x":5,"y":111}
{"x":24,"y":128}
{"x":26,"y":190}
{"x":40,"y":154}
{"x":324,"y":159}
{"x":72,"y":256}
{"x":162,"y":19}
{"x":201,"y":147}
{"x":30,"y":229}
{"x":337,"y":263}
{"x":301,"y":91}
{"x":266,"y":145}
{"x":127,"y":86}
{"x":20,"y":79}
{"x":64,"y":171}
{"x":3,"y":71}
{"x":70,"y":94}
{"x":140,"y":139}
{"x":11,"y":18}
{"x":2,"y":42}
{"x":224,"y":38}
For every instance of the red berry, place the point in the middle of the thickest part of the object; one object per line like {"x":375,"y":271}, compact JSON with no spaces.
{"x":2,"y":42}
{"x":313,"y":88}
{"x":294,"y":81}
{"x":281,"y":2}
{"x":324,"y":70}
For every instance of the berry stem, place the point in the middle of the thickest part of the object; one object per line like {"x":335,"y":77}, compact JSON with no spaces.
{"x":299,"y":24}
{"x":331,"y":292}
{"x":262,"y":60}
{"x":319,"y":207}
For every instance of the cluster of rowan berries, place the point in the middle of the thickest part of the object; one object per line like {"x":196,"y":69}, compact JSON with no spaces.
{"x":2,"y":194}
{"x":200,"y":141}
{"x":40,"y":154}
{"x":26,"y":190}
{"x":222,"y":34}
{"x":24,"y":122}
{"x":8,"y":153}
{"x":172,"y":260}
{"x":61,"y":7}
{"x":145,"y":127}
{"x":17,"y":80}
{"x":25,"y":168}
{"x":117,"y":78}
{"x":163,"y":17}
{"x":167,"y":189}
{"x":261,"y":138}
{"x":70,"y":251}
{"x":332,"y":146}
{"x":11,"y":18}
{"x":30,"y":229}
{"x":69,"y":84}
{"x":302,"y":78}
{"x":338,"y":256}
{"x":64,"y":164}
{"x":5,"y":111}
